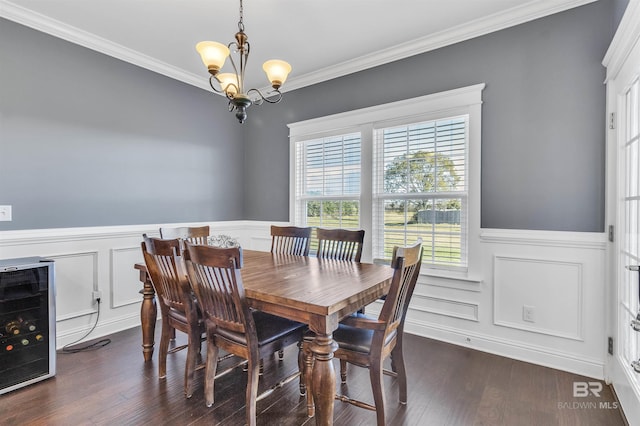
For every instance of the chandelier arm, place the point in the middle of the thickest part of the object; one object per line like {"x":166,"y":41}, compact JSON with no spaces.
{"x":244,"y":58}
{"x":274,"y":98}
{"x":211,"y":78}
{"x":239,"y":75}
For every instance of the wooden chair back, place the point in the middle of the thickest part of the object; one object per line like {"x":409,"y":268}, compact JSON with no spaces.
{"x":406,"y":262}
{"x":194,"y":234}
{"x":340,"y":244}
{"x":290,"y":240}
{"x":166,"y":270}
{"x":215,"y":276}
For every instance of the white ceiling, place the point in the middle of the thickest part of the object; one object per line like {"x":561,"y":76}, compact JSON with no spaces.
{"x":322,"y":39}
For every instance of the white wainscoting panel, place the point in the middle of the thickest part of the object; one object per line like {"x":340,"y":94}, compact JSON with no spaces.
{"x":102,"y":259}
{"x":76,"y":276}
{"x":453,"y":308}
{"x":125,"y":281}
{"x":561,"y":274}
{"x":552,"y":289}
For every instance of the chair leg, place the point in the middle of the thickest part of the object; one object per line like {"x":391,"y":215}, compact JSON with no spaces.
{"x":252,"y":391}
{"x":210,"y":371}
{"x":193,"y":349}
{"x":301,"y":368}
{"x":343,"y":371}
{"x":375,"y":373}
{"x":164,"y":348}
{"x":397,"y":359}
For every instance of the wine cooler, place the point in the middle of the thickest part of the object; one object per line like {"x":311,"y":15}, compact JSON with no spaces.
{"x":27,"y":322}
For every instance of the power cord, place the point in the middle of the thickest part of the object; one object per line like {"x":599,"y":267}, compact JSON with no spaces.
{"x":90,"y":347}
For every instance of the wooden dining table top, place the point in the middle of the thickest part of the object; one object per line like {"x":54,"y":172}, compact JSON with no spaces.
{"x":322,"y":287}
{"x":299,"y":287}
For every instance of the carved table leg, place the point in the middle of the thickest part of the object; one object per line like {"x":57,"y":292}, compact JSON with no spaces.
{"x":148,"y":315}
{"x":323,"y":377}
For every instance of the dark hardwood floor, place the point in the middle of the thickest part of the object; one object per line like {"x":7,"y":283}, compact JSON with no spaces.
{"x":448,"y":385}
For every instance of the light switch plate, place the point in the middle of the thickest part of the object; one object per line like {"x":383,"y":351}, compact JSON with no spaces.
{"x":5,"y":213}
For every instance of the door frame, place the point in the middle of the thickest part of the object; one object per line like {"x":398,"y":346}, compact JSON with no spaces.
{"x":624,"y":49}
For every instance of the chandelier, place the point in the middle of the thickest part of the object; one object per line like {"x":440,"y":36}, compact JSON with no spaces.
{"x":214,"y":54}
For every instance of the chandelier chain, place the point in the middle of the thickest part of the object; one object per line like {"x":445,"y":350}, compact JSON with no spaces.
{"x":240,"y":22}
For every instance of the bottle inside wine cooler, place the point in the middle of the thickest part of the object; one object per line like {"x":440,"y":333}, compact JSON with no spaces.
{"x":12,"y":327}
{"x":27,"y":323}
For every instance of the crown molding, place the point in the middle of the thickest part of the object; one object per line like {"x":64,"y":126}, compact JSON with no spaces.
{"x":527,"y":12}
{"x":626,"y":37}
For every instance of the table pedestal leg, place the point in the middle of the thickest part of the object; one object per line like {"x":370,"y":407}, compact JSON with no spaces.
{"x":148,"y":315}
{"x":323,"y":378}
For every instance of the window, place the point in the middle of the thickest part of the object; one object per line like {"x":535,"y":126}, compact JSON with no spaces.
{"x":399,"y":171}
{"x":420,"y":189}
{"x":328,"y":172}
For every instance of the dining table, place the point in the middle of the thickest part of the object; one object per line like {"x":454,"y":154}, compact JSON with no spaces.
{"x":317,"y":292}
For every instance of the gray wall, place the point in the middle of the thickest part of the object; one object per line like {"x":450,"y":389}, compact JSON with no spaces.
{"x":84,"y":138}
{"x":89,"y":140}
{"x":543,"y":131}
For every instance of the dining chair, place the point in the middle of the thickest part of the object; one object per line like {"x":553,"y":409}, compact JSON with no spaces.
{"x":216,"y":277}
{"x":290,"y":240}
{"x":367,"y":341}
{"x":178,"y":307}
{"x":340,"y":244}
{"x":194,"y":234}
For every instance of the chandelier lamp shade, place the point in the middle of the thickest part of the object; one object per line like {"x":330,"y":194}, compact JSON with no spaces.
{"x":231,"y":84}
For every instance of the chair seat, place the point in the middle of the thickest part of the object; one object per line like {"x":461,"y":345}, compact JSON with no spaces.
{"x":269,"y":328}
{"x":357,"y":339}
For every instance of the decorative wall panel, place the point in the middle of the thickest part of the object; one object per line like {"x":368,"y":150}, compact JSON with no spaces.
{"x":551,"y":290}
{"x":125,"y":280}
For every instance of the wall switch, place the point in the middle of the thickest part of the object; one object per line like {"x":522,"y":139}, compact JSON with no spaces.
{"x":5,"y":213}
{"x":528,"y":313}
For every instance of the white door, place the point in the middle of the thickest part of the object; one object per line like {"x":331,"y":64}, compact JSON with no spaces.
{"x":623,"y":86}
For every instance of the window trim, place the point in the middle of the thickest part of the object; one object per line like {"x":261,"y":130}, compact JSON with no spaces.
{"x":466,"y":100}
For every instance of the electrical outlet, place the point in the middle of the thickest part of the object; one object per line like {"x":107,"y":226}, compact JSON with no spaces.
{"x":5,"y":213}
{"x":528,"y":313}
{"x":97,"y":294}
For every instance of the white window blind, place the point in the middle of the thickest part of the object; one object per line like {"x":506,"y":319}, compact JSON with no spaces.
{"x":328,"y":181}
{"x":420,"y":189}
